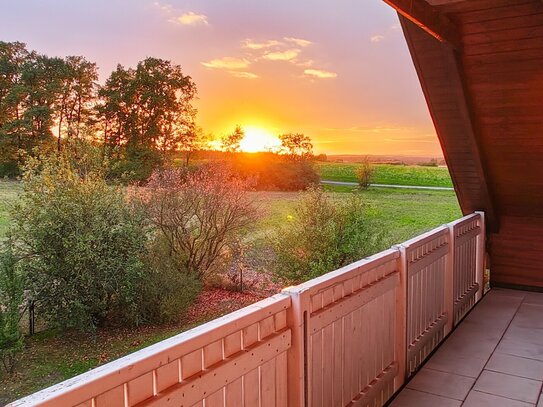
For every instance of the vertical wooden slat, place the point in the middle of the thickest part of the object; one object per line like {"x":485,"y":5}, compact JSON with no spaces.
{"x":316,"y":369}
{"x":267,"y":384}
{"x":251,"y":388}
{"x":281,"y":382}
{"x":234,"y":394}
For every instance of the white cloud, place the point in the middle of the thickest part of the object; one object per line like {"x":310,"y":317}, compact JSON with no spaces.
{"x":163,"y":6}
{"x":243,"y":74}
{"x":377,"y":38}
{"x":319,"y":73}
{"x":287,"y":55}
{"x":305,"y":64}
{"x":230,"y":63}
{"x":298,"y":41}
{"x":250,"y":44}
{"x":191,"y":18}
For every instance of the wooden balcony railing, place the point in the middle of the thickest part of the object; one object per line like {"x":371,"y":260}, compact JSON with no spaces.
{"x":351,"y":336}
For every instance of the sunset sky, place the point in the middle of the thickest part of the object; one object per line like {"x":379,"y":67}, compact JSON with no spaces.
{"x":336,"y":70}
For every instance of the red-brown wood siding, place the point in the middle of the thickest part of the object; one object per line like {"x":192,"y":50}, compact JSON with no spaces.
{"x":495,"y":151}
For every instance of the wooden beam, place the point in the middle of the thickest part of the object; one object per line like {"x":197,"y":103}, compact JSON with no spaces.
{"x":429,"y":19}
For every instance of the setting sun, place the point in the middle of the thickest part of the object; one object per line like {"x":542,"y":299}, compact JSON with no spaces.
{"x":258,"y":139}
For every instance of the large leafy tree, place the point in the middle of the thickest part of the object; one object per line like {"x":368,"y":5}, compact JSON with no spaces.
{"x":147,"y":110}
{"x":41,"y":98}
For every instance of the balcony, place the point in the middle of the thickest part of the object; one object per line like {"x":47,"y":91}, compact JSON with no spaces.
{"x":351,"y":337}
{"x":494,"y":358}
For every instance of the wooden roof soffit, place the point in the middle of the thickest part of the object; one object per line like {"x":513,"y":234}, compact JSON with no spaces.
{"x":429,"y":19}
{"x":444,"y":86}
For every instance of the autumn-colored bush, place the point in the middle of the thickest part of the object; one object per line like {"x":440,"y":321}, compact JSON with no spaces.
{"x":201,"y":214}
{"x":275,"y":172}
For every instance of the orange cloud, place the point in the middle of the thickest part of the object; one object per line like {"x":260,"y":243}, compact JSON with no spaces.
{"x":227,"y":63}
{"x":243,"y":74}
{"x":319,"y":73}
{"x":191,"y":18}
{"x":287,"y":55}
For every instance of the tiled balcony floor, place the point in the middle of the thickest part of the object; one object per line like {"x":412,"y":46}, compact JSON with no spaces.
{"x":494,"y":358}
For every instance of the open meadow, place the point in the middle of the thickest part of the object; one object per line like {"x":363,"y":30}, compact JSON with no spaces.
{"x":388,"y":174}
{"x":50,"y":358}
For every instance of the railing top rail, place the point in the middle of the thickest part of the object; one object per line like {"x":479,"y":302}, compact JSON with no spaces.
{"x":425,"y":237}
{"x":465,"y":219}
{"x":117,"y":372}
{"x":345,"y":273}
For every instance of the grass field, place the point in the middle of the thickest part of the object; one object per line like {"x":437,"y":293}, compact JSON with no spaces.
{"x":388,"y":174}
{"x":8,"y":193}
{"x":49,"y":358}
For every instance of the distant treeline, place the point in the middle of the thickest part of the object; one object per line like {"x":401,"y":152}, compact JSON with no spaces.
{"x":138,"y":117}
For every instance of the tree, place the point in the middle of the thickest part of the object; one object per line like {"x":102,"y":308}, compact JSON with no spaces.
{"x":191,"y":140}
{"x":12,"y":57}
{"x":231,"y":142}
{"x":201,"y":214}
{"x":364,"y":174}
{"x":146,"y":109}
{"x":296,"y":146}
{"x":77,"y":94}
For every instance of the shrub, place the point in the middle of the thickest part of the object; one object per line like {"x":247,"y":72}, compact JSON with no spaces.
{"x":11,"y":298}
{"x":201,"y":214}
{"x":82,"y":246}
{"x":168,"y":290}
{"x":323,"y":235}
{"x":364,"y":174}
{"x":275,"y":172}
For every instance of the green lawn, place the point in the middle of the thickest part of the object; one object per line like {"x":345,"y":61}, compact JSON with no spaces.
{"x":8,"y":193}
{"x":402,"y":213}
{"x":388,"y":174}
{"x":49,"y":358}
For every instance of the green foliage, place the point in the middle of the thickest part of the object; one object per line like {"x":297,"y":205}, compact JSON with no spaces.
{"x":322,"y":236}
{"x":364,"y":174}
{"x":82,"y":246}
{"x":146,"y":110}
{"x":169,"y":289}
{"x":388,"y":174}
{"x":11,"y":299}
{"x":296,"y":146}
{"x":39,"y":93}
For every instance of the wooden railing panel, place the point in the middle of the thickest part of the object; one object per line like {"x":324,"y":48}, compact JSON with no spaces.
{"x":211,"y":363}
{"x":351,"y":331}
{"x":426,"y":261}
{"x":467,"y":234}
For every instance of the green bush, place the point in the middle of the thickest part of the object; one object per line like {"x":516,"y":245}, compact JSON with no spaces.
{"x":11,"y":298}
{"x":364,"y":174}
{"x":83,"y":247}
{"x":322,"y":236}
{"x":169,"y":289}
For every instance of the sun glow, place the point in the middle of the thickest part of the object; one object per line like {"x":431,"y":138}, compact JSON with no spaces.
{"x":258,"y":139}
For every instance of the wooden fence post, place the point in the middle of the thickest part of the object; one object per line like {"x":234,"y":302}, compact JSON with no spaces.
{"x":481,"y":253}
{"x":297,"y":354}
{"x":448,"y":294}
{"x":401,"y":320}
